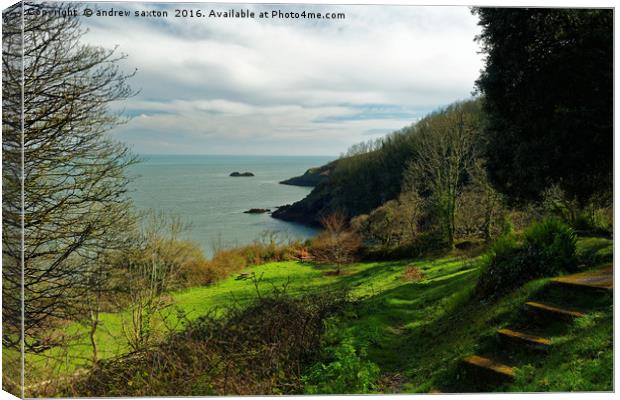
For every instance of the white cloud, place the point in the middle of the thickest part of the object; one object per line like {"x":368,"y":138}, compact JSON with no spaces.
{"x":301,"y":86}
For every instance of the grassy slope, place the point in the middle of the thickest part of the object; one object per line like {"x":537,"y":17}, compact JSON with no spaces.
{"x":297,"y":277}
{"x":417,"y":332}
{"x":364,"y":279}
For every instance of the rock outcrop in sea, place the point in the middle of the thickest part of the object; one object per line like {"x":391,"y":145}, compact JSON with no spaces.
{"x":257,"y":211}
{"x":241,"y":174}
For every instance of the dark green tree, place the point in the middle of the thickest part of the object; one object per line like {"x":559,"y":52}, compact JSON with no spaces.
{"x":548,"y":93}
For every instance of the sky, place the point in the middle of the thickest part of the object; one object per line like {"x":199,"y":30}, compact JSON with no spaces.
{"x":285,"y":86}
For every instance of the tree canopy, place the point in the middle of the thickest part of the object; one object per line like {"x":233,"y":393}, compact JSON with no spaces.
{"x":548,"y":96}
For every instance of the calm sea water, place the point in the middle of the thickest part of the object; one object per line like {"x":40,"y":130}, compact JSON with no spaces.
{"x":200,"y":191}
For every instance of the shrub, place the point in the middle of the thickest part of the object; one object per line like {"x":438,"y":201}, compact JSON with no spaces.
{"x":225,"y":263}
{"x":554,"y":243}
{"x":259,"y":253}
{"x":548,"y":249}
{"x":230,"y":261}
{"x":346,"y":372}
{"x":595,"y":216}
{"x":259,"y":349}
{"x":593,"y":251}
{"x":501,"y":266}
{"x":595,"y":220}
{"x":336,"y":245}
{"x":426,"y":244}
{"x":177,"y":263}
{"x":480,"y":213}
{"x":189,"y":263}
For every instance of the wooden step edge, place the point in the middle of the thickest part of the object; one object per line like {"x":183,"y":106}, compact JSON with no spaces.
{"x":599,"y":278}
{"x":488,"y":364}
{"x":606,"y":286}
{"x":555,"y":310}
{"x":526,"y":337}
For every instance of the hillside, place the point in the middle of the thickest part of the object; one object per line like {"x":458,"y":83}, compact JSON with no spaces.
{"x":313,"y":176}
{"x":366,"y":179}
{"x":357,"y":184}
{"x":416,"y":320}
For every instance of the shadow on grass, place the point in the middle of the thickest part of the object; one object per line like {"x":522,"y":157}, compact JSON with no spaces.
{"x":423,"y":330}
{"x":389,"y":314}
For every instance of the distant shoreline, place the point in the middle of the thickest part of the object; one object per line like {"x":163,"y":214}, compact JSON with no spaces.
{"x":198,"y":188}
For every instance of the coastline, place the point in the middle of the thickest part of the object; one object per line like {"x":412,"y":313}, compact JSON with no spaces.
{"x":198,"y":189}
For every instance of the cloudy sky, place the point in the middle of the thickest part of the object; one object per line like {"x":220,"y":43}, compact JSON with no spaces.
{"x":287,"y":87}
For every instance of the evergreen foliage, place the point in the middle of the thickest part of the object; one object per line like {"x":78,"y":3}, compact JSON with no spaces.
{"x":548,"y":96}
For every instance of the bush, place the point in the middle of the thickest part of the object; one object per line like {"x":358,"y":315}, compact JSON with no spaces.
{"x":593,"y":251}
{"x":182,"y":263}
{"x":394,"y":223}
{"x":179,"y":263}
{"x":595,"y":220}
{"x":336,"y":245}
{"x":260,"y":253}
{"x":554,"y":243}
{"x":595,"y":217}
{"x":225,"y":263}
{"x":502,"y":266}
{"x":548,"y":249}
{"x":259,"y":349}
{"x":230,"y":261}
{"x":346,"y":373}
{"x":189,"y":264}
{"x":430,"y":243}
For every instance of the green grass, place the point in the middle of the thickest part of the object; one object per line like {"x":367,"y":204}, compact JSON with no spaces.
{"x":582,"y":359}
{"x":416,"y":332}
{"x":297,"y":277}
{"x":192,"y":302}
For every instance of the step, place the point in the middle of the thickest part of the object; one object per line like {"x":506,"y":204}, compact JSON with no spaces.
{"x":530,"y":340}
{"x":490,"y":365}
{"x":554,"y":310}
{"x":601,"y":279}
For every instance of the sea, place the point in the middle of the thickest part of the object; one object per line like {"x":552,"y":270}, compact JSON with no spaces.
{"x":199,"y":190}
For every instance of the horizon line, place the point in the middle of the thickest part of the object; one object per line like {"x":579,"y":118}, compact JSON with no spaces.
{"x":237,"y":155}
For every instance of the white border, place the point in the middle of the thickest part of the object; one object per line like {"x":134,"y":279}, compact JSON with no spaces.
{"x":496,"y":3}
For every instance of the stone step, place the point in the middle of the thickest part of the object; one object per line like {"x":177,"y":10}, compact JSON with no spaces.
{"x":554,"y":310}
{"x":490,"y":365}
{"x":601,"y":279}
{"x":537,"y":342}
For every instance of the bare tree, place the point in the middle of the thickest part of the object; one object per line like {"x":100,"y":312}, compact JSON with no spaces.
{"x":336,"y":245}
{"x":154,"y":263}
{"x":411,"y":208}
{"x":445,"y":152}
{"x":487,"y":199}
{"x":12,"y":373}
{"x":393,"y":223}
{"x":75,"y":207}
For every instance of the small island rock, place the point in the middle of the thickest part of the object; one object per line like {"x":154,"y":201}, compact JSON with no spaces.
{"x":257,"y":211}
{"x":237,"y":173}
